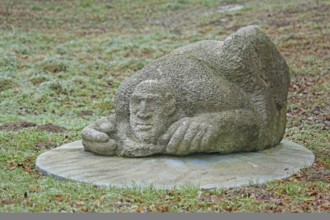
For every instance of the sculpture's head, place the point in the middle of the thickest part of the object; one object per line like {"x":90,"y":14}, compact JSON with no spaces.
{"x":152,"y":106}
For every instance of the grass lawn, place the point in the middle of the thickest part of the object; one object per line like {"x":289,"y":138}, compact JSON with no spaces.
{"x":62,"y":61}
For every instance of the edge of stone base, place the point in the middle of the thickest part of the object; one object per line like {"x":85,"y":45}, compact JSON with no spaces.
{"x":56,"y":163}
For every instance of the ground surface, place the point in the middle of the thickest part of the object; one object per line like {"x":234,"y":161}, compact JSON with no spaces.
{"x":62,"y":61}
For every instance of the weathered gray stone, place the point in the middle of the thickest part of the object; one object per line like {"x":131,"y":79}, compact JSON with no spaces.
{"x":70,"y":161}
{"x":210,"y":96}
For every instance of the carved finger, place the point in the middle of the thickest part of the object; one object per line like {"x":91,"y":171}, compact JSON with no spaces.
{"x":164,"y":139}
{"x":176,"y":138}
{"x":173,"y":128}
{"x":207,"y":138}
{"x":93,"y":135}
{"x":188,"y":137}
{"x":196,"y":142}
{"x":100,"y":148}
{"x":106,"y":127}
{"x":86,"y":145}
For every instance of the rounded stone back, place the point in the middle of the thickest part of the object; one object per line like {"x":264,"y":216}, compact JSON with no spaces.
{"x":250,"y":60}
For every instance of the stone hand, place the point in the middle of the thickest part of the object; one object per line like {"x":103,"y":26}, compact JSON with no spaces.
{"x":96,"y":139}
{"x":105,"y":148}
{"x":99,"y":130}
{"x":93,"y":135}
{"x":188,"y":135}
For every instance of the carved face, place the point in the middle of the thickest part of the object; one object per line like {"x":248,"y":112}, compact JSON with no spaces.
{"x":150,"y":108}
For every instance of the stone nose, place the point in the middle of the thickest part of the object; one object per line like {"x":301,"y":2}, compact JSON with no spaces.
{"x":143,"y":111}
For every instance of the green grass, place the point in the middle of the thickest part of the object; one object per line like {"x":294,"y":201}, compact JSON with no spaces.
{"x":62,"y":61}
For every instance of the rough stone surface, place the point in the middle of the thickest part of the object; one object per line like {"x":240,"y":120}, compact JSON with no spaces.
{"x":209,"y":96}
{"x":70,"y":161}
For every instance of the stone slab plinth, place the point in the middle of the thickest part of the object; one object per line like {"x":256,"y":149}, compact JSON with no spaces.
{"x":71,"y":162}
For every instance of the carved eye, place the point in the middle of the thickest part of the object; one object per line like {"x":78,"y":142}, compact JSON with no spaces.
{"x":150,"y":99}
{"x":135,"y":100}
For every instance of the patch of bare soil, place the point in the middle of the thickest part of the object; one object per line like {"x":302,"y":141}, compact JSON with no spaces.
{"x":45,"y":145}
{"x":16,"y":126}
{"x":258,"y":192}
{"x":28,"y":165}
{"x":51,"y":128}
{"x":311,"y":107}
{"x":85,"y":113}
{"x":317,"y":172}
{"x":8,"y":201}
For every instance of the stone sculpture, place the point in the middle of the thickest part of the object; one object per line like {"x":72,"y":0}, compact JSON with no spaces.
{"x":206,"y":97}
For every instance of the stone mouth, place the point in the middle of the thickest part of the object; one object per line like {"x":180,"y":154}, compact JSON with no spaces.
{"x":144,"y":126}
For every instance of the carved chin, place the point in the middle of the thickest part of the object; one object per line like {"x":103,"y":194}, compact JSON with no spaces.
{"x":144,"y":134}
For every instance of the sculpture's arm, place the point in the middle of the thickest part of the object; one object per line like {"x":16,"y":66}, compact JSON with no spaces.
{"x":225,"y":132}
{"x":96,"y":136}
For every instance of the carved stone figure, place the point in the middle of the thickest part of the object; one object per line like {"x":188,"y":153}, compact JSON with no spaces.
{"x":206,"y":97}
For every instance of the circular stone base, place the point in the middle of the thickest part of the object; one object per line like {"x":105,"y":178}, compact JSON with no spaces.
{"x":206,"y":171}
